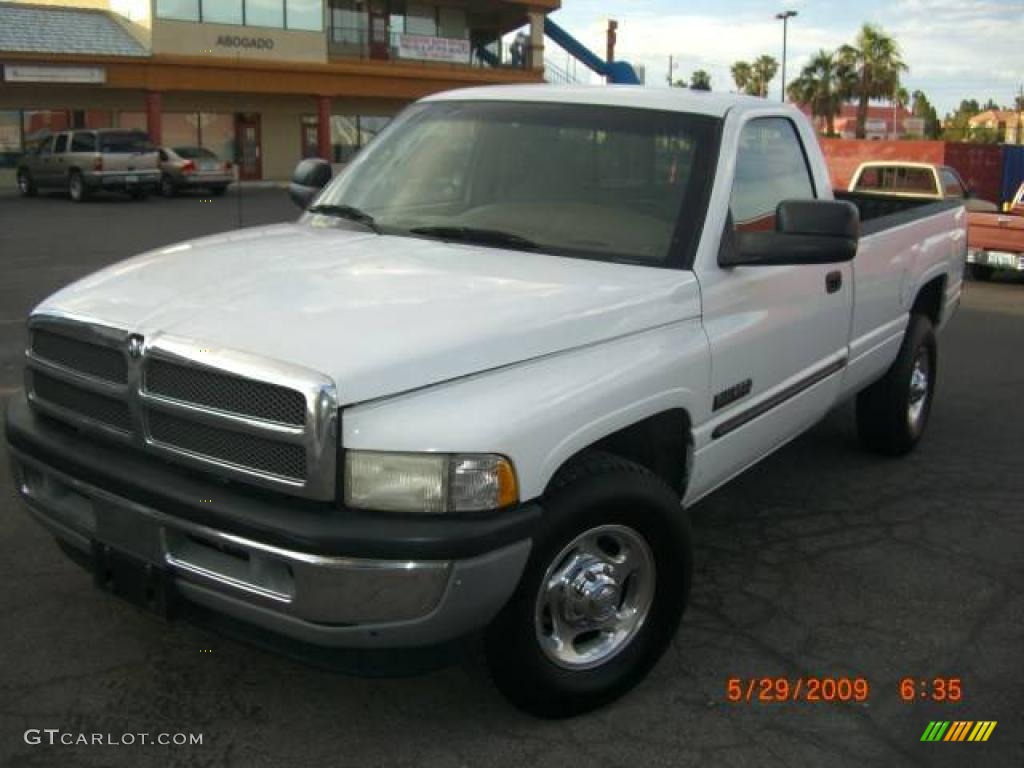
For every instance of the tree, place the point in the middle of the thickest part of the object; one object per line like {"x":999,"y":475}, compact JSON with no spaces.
{"x":740,"y":72}
{"x":876,"y":60}
{"x":922,"y":108}
{"x":700,"y":80}
{"x":820,"y":86}
{"x":957,"y":126}
{"x":752,"y":78}
{"x":762,"y":72}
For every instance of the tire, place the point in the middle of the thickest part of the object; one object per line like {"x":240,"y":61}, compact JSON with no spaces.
{"x":77,"y":190}
{"x":138,"y":194}
{"x":218,"y":191}
{"x":981,"y":272}
{"x":892,"y":413}
{"x":167,"y":187}
{"x":617,"y":509}
{"x":26,"y":187}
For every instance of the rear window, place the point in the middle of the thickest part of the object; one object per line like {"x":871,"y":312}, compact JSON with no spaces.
{"x":896,"y":178}
{"x":125,"y":142}
{"x":193,"y":153}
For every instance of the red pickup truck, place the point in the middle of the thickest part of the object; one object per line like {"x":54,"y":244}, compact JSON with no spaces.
{"x":995,"y":241}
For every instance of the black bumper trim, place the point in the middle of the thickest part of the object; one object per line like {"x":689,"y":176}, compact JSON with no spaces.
{"x":276,"y":519}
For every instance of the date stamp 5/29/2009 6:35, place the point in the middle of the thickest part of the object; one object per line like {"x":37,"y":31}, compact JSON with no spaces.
{"x":812,"y":689}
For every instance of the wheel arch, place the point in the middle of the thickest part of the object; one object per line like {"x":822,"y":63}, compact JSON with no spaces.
{"x":930,"y":299}
{"x":661,"y":443}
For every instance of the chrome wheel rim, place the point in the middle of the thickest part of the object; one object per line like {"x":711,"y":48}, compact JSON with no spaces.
{"x":919,"y":388}
{"x":76,"y":187}
{"x":22,"y":182}
{"x":594,"y":597}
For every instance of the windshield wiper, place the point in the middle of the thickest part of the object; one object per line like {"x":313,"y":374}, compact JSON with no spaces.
{"x":349,"y":212}
{"x":479,"y":235}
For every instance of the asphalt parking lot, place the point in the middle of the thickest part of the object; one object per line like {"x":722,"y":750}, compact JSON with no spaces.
{"x":822,"y":561}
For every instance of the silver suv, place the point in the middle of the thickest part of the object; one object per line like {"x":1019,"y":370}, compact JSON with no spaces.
{"x":84,"y":161}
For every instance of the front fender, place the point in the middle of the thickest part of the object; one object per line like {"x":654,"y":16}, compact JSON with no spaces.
{"x":541,"y":412}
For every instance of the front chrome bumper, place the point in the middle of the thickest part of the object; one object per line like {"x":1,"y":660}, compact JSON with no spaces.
{"x":324,"y":600}
{"x":996,"y":259}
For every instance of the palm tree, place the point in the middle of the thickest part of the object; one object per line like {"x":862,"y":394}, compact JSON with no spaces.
{"x":763,"y":70}
{"x":876,"y":61}
{"x":741,"y":73}
{"x":821,"y":85}
{"x":700,"y":80}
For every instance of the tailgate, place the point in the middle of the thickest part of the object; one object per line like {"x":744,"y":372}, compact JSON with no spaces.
{"x":130,"y":161}
{"x":995,"y":232}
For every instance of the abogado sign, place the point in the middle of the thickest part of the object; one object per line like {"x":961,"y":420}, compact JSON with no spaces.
{"x":244,"y":41}
{"x":433,"y":48}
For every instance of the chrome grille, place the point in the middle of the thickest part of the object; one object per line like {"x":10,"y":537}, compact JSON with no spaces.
{"x":224,"y":392}
{"x":102,"y":362}
{"x":243,"y":450}
{"x":106,"y":410}
{"x":240,"y":416}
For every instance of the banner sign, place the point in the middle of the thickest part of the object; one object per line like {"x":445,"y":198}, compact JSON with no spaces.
{"x":433,"y":48}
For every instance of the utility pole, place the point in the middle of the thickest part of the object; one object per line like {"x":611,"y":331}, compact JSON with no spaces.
{"x":785,"y":16}
{"x":671,"y":68}
{"x":1020,"y":114}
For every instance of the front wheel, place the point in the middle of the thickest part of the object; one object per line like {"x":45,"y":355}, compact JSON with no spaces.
{"x":26,"y":187}
{"x":601,"y":595}
{"x":893,"y":412}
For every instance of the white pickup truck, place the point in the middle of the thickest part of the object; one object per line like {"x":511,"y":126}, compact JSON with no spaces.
{"x":477,"y":384}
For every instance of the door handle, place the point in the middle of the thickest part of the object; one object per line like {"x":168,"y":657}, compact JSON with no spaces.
{"x":833,"y":281}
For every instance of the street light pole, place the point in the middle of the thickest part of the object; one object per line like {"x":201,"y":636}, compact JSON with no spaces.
{"x":785,"y":16}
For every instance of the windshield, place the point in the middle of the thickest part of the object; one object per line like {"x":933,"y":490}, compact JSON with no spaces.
{"x":579,"y":180}
{"x":124,"y":142}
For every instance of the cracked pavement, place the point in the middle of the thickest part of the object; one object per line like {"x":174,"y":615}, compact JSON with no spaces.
{"x":821,"y":561}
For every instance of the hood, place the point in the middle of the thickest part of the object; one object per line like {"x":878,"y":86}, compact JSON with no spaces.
{"x":379,"y":314}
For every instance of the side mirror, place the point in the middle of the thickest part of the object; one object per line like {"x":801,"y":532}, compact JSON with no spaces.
{"x":309,"y":177}
{"x":806,"y":232}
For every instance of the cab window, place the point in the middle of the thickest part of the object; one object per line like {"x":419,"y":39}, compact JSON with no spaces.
{"x":83,"y":141}
{"x":770,"y":167}
{"x":951,"y":184}
{"x":62,"y":143}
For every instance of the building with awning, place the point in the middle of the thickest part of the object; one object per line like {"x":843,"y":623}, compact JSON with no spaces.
{"x":263,"y":83}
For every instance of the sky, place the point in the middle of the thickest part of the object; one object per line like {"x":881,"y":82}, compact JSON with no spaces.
{"x":955,"y":50}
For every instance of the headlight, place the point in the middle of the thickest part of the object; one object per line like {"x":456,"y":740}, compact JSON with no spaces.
{"x":428,"y":482}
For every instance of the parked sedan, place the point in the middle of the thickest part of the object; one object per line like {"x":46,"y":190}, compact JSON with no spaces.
{"x":193,"y":168}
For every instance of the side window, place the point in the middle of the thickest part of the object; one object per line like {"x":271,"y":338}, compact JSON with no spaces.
{"x":45,"y":147}
{"x":770,"y":168}
{"x":163,"y":156}
{"x":83,"y":141}
{"x":62,"y":143}
{"x":951,"y":186}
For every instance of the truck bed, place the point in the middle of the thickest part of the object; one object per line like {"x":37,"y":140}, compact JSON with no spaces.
{"x":880,"y":211}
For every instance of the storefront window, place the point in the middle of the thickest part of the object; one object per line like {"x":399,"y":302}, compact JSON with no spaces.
{"x":10,"y":138}
{"x":350,"y":133}
{"x":453,"y":23}
{"x":305,"y":14}
{"x":264,"y":13}
{"x":132,"y":120}
{"x":222,"y":11}
{"x":217,"y":134}
{"x":179,"y":129}
{"x":348,"y":22}
{"x":35,"y":123}
{"x":181,"y":10}
{"x":421,"y":20}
